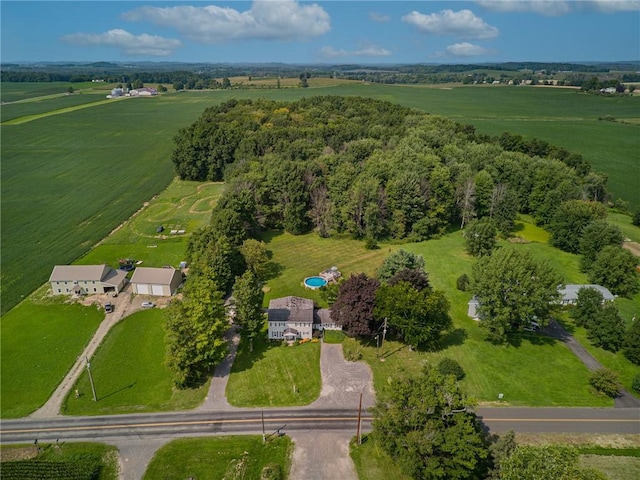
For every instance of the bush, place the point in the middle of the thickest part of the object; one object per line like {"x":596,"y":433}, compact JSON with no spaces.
{"x":449,"y":366}
{"x":352,"y":355}
{"x":271,"y":471}
{"x":636,"y":217}
{"x":606,"y":381}
{"x":636,"y":383}
{"x":462,"y":283}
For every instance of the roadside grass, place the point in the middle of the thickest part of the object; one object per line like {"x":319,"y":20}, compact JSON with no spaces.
{"x":214,"y":458}
{"x":134,"y":348}
{"x":96,"y":453}
{"x":39,"y":341}
{"x":372,"y":462}
{"x":274,"y":374}
{"x":615,"y":467}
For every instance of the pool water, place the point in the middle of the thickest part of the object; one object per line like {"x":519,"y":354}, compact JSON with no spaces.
{"x":315,"y":282}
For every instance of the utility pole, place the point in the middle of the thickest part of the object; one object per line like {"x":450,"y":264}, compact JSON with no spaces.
{"x":264,"y":436}
{"x":378,"y":345}
{"x":358,"y":436}
{"x":384,"y":333}
{"x":93,"y":388}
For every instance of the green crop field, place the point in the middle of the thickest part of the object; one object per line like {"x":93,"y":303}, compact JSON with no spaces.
{"x":72,"y":177}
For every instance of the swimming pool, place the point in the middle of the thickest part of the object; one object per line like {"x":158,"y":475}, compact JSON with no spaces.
{"x":314,"y":282}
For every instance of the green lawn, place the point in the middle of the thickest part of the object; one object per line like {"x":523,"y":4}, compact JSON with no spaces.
{"x":215,"y":458}
{"x":275,"y":375}
{"x":134,"y":348}
{"x":40,"y":339}
{"x":559,"y":377}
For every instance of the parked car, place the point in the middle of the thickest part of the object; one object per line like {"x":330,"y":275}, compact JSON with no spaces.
{"x":148,"y":304}
{"x":108,"y":307}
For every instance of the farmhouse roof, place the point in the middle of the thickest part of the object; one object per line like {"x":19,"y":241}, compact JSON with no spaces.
{"x":69,"y":273}
{"x":570,"y":292}
{"x":114,"y":277}
{"x":160,"y":276}
{"x":290,"y":309}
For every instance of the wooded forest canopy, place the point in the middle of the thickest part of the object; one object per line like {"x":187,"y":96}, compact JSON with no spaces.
{"x":372,"y":169}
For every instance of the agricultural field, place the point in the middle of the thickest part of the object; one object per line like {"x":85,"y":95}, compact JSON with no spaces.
{"x":88,"y":170}
{"x":29,"y":331}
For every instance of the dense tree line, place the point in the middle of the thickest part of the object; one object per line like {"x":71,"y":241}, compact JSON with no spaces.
{"x":373,"y":169}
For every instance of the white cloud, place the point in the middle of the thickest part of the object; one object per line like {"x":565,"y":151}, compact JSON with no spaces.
{"x":466,"y":49}
{"x":542,"y":7}
{"x":367,"y":51}
{"x":128,"y":43}
{"x":265,"y":20}
{"x":559,"y":7}
{"x":462,"y":24}
{"x":616,"y":5}
{"x":379,"y":17}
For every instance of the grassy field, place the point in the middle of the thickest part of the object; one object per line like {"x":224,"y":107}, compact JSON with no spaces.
{"x":40,"y":340}
{"x":88,"y":170}
{"x":215,"y":458}
{"x":135,"y":349}
{"x":559,"y":378}
{"x":275,"y":375}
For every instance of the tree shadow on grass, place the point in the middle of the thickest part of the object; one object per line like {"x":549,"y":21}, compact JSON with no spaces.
{"x":115,"y":392}
{"x":453,"y":338}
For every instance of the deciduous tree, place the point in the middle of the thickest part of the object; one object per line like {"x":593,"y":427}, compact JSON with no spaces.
{"x":631,"y":346}
{"x":608,"y":329}
{"x":513,"y":289}
{"x":595,"y":236}
{"x":588,"y":306}
{"x":353,"y":308}
{"x":248,"y":296}
{"x":419,"y":316}
{"x":427,"y":425}
{"x":569,"y":221}
{"x":195,"y":331}
{"x":399,"y":260}
{"x":615,"y":268}
{"x":480,"y":237}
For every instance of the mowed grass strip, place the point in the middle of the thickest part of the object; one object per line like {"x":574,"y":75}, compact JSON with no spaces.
{"x":615,"y":467}
{"x":215,"y":458}
{"x":129,"y":372}
{"x":39,"y":342}
{"x":274,"y":374}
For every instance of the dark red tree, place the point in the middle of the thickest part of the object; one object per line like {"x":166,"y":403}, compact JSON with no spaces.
{"x":353,"y":308}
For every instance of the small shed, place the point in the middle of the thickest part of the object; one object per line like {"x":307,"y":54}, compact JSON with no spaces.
{"x":472,"y":311}
{"x":162,"y":282}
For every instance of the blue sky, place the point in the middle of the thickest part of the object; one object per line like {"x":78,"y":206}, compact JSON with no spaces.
{"x":296,"y":31}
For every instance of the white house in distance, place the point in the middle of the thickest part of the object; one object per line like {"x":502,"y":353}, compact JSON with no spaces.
{"x":143,"y":92}
{"x":86,"y":279}
{"x":570,"y":293}
{"x":162,"y":282}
